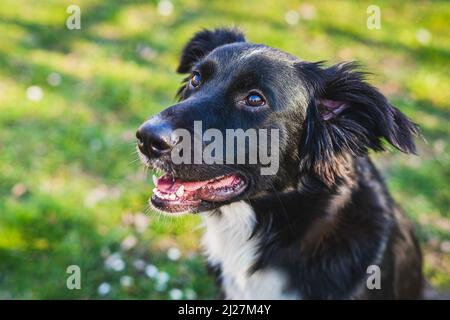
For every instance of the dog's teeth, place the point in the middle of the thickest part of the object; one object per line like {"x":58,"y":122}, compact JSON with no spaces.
{"x":180,"y":191}
{"x":155,"y":180}
{"x":158,"y":194}
{"x":172,"y":196}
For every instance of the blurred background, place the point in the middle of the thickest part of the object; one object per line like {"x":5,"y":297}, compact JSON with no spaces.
{"x":71,"y":190}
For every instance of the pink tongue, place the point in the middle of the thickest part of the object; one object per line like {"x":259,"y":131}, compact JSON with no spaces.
{"x":168,"y":184}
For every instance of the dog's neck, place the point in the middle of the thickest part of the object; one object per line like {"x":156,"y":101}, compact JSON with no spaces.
{"x":235,"y":234}
{"x":232,"y":249}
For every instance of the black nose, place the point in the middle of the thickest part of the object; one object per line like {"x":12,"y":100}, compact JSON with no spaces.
{"x":155,"y":138}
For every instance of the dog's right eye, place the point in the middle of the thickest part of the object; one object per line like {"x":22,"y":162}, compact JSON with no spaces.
{"x":255,"y":100}
{"x":195,"y":80}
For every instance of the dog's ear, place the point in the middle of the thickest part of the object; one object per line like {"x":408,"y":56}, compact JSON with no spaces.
{"x":347,"y":116}
{"x":204,"y":42}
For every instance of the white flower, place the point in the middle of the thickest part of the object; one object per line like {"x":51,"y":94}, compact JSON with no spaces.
{"x":34,"y":93}
{"x":126,"y":281}
{"x":423,"y":36}
{"x":129,"y":242}
{"x":165,"y":8}
{"x":175,"y":294}
{"x":190,"y":294}
{"x":173,"y":254}
{"x":151,"y":271}
{"x":146,"y":52}
{"x":161,"y":281}
{"x":292,"y":17}
{"x":160,"y":286}
{"x":104,"y":288}
{"x":95,"y":196}
{"x":54,"y":79}
{"x":307,"y":11}
{"x":139,"y":264}
{"x":115,"y":262}
{"x":141,"y":222}
{"x":163,"y":277}
{"x":19,"y":190}
{"x":445,"y":246}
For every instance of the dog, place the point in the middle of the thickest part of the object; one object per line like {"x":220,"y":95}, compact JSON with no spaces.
{"x":324,"y":226}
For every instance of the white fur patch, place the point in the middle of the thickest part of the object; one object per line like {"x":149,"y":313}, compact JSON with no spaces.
{"x":227,"y":243}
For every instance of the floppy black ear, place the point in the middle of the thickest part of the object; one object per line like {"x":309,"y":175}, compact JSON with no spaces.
{"x":347,"y":116}
{"x":204,"y":42}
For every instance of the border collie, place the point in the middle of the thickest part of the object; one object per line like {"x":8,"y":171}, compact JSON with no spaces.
{"x":316,"y":228}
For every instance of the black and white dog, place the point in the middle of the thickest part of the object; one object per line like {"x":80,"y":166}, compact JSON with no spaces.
{"x":312,"y":230}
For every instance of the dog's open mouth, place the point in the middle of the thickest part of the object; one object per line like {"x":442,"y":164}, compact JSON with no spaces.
{"x":175,"y":195}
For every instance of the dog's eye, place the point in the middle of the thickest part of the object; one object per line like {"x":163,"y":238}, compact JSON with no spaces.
{"x":195,"y":80}
{"x":255,"y":100}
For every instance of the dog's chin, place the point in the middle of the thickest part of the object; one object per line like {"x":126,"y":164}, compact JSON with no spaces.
{"x":177,"y":196}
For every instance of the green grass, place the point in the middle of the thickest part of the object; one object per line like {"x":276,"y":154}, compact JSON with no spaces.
{"x":70,"y":190}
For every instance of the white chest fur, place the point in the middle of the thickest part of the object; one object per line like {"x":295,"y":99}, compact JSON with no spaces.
{"x":227,"y":242}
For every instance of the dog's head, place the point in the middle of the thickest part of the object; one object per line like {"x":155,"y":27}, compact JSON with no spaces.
{"x":310,"y":121}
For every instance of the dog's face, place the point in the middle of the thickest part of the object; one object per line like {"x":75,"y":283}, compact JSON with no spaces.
{"x":311,"y":119}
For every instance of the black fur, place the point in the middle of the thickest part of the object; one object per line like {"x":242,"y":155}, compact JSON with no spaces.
{"x":203,"y":43}
{"x":327,"y":215}
{"x":366,"y":121}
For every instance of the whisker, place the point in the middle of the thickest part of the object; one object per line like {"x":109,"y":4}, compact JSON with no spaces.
{"x":134,"y":161}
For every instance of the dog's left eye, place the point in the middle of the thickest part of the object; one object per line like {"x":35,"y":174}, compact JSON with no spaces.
{"x":195,"y":80}
{"x":255,"y":100}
